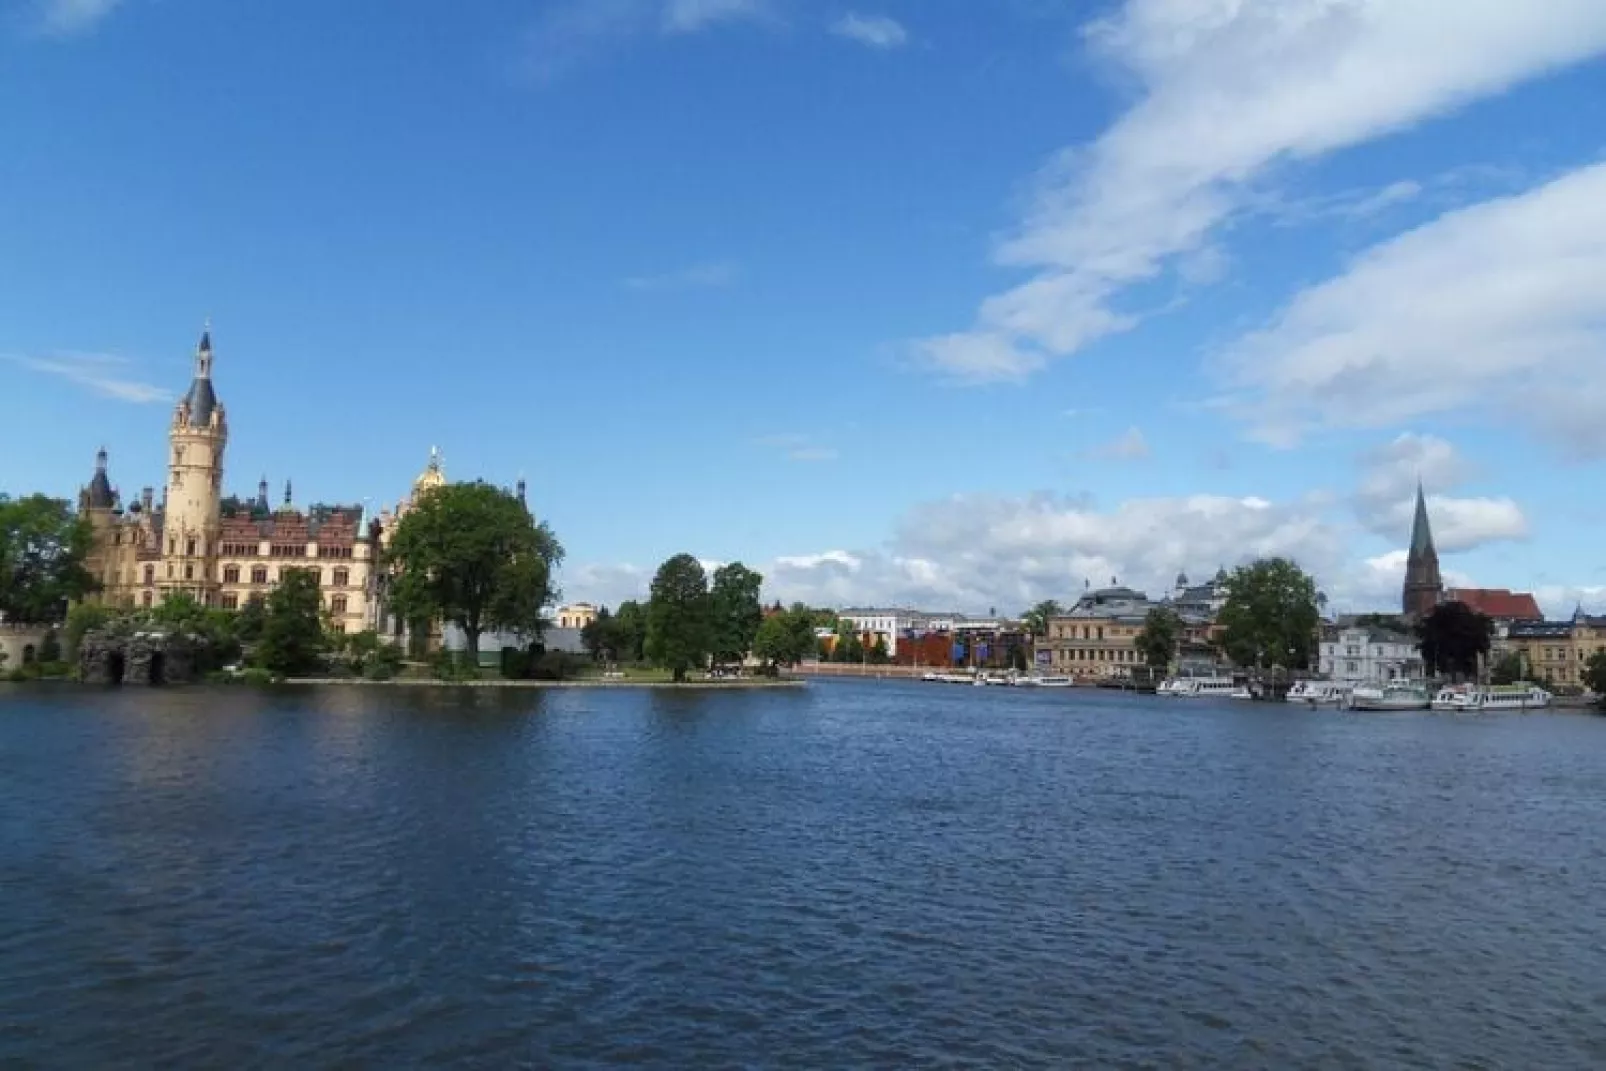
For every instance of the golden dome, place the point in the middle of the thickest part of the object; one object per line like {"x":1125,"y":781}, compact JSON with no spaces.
{"x":433,"y":475}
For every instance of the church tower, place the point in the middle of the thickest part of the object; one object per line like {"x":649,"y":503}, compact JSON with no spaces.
{"x":1424,"y":587}
{"x":191,"y":522}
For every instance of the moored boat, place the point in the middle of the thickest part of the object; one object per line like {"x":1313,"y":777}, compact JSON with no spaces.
{"x":1395,"y":695}
{"x":1318,"y":693}
{"x":1470,"y":699}
{"x":1206,"y":688}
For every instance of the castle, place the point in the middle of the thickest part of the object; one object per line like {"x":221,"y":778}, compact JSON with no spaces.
{"x":222,"y":551}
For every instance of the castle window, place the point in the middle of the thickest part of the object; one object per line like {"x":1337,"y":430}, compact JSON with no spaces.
{"x":338,"y":604}
{"x":231,"y":601}
{"x":189,"y":548}
{"x":145,"y":599}
{"x":259,"y":574}
{"x":169,"y":570}
{"x":189,"y":572}
{"x":342,"y":578}
{"x":150,"y":574}
{"x":172,"y":546}
{"x":316,"y":574}
{"x":231,"y":574}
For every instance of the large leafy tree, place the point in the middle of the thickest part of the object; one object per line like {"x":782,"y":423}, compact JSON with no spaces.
{"x":630,"y":626}
{"x":43,"y":545}
{"x":787,"y":637}
{"x":1271,"y":615}
{"x":1595,"y":676}
{"x":292,"y":640}
{"x":1453,"y":637}
{"x":737,"y":612}
{"x":471,"y":554}
{"x":1037,"y":618}
{"x":679,"y":617}
{"x":1158,"y":640}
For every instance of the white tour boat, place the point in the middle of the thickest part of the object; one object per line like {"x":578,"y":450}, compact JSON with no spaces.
{"x":1318,"y":693}
{"x":1395,"y":695}
{"x":1208,"y":688}
{"x":1045,"y":681}
{"x":1465,"y":699}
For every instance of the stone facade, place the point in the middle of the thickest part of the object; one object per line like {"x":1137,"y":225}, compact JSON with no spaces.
{"x":220,"y":551}
{"x":21,"y":645}
{"x":141,"y":658}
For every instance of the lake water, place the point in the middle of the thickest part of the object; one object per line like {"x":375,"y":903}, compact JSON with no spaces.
{"x":859,"y":874}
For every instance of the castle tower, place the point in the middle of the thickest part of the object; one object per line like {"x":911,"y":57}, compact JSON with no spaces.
{"x":191,"y":521}
{"x":97,"y":503}
{"x":1424,"y":587}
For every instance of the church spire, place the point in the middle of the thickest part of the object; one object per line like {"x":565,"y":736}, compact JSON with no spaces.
{"x":1423,"y":584}
{"x":1421,"y":529}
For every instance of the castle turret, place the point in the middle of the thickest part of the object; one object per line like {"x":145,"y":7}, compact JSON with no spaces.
{"x":1424,"y":587}
{"x":191,"y":521}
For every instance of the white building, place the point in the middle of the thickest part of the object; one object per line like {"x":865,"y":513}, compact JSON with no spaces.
{"x":888,"y":624}
{"x":1369,"y":655}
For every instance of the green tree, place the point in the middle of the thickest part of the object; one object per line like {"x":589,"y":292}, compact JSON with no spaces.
{"x":1453,"y":637}
{"x":471,"y":554}
{"x":849,"y":644}
{"x":249,"y":620}
{"x":787,"y":638}
{"x":679,"y":616}
{"x":42,"y":550}
{"x":737,"y":612}
{"x":878,"y":655}
{"x":1509,"y":668}
{"x":1157,"y":643}
{"x":84,"y":617}
{"x":600,"y":637}
{"x":292,"y":640}
{"x":1271,"y":615}
{"x":1595,"y":676}
{"x":630,"y":623}
{"x":1037,"y":618}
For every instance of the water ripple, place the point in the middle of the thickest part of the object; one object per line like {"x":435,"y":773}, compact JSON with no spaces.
{"x":863,"y":875}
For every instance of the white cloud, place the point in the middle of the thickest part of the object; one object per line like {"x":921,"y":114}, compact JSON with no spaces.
{"x":682,"y":16}
{"x":707,"y":276}
{"x":569,"y":33}
{"x":63,"y":18}
{"x":797,"y":447}
{"x":1130,"y":445}
{"x":876,"y":31}
{"x":102,"y":374}
{"x":1497,"y":307}
{"x":1385,"y":500}
{"x":1229,"y":90}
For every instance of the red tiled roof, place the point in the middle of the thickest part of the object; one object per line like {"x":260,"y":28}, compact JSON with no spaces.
{"x":1499,"y":603}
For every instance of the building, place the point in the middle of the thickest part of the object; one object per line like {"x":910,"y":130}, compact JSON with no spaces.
{"x":887,"y":626}
{"x":574,"y":616}
{"x":1368,"y":655}
{"x":1098,"y":636}
{"x":1424,"y":586}
{"x":1556,"y":652}
{"x":219,"y":551}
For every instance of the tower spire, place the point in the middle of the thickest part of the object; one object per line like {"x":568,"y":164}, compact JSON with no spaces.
{"x":1424,"y":586}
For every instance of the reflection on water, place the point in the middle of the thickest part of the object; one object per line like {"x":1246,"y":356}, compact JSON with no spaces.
{"x":881,"y":874}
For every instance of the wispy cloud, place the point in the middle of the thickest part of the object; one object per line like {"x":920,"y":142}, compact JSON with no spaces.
{"x":103,"y":374}
{"x":707,"y":276}
{"x":1130,"y":445}
{"x":685,"y":16}
{"x":570,"y":33}
{"x":797,"y":447}
{"x":875,"y":31}
{"x":64,"y":18}
{"x":1229,"y":93}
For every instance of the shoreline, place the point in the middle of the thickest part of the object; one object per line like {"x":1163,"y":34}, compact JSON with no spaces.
{"x":738,"y":685}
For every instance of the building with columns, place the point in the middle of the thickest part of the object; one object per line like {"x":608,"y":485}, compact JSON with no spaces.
{"x":221,"y":550}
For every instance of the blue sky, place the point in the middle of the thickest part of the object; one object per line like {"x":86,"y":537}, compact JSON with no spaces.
{"x":941,"y":302}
